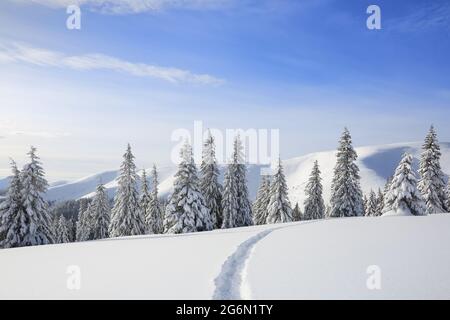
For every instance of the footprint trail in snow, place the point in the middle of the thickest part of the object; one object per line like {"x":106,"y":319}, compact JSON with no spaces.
{"x":229,"y":281}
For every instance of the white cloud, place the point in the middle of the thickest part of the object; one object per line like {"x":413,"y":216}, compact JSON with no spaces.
{"x":130,"y":6}
{"x":40,"y":134}
{"x":23,"y":53}
{"x":9,"y":128}
{"x":430,"y":15}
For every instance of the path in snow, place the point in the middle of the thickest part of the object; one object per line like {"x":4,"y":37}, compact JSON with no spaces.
{"x":229,"y":281}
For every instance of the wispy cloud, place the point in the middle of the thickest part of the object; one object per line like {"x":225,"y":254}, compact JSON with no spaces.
{"x":10,"y":128}
{"x":24,"y":53}
{"x":39,"y":134}
{"x":428,"y":16}
{"x":131,"y":6}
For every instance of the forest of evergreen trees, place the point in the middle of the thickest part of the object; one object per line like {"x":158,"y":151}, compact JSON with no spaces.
{"x":200,"y":203}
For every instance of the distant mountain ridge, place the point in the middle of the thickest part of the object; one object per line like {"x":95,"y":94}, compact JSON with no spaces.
{"x":376,"y":164}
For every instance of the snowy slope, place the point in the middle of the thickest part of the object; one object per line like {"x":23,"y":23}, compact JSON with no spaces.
{"x":4,"y":183}
{"x":126,"y":268}
{"x":85,"y":187}
{"x":330,"y":260}
{"x":323,"y":259}
{"x":376,"y":164}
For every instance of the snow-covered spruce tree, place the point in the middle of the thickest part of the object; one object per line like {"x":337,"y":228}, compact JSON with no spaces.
{"x":387,"y":185}
{"x":314,"y":204}
{"x":11,"y":212}
{"x":154,"y":213}
{"x":209,"y":181}
{"x":372,"y":205}
{"x":366,"y":204}
{"x":71,"y":229}
{"x":261,"y":204}
{"x":36,"y":221}
{"x":62,"y":235}
{"x":380,"y":203}
{"x":279,"y":209}
{"x":229,"y":199}
{"x":244,"y":215}
{"x":236,"y":206}
{"x":187,"y":211}
{"x":297,"y":214}
{"x":346,"y":194}
{"x":100,"y":212}
{"x":244,"y":209}
{"x":83,"y":224}
{"x":54,"y":226}
{"x":403,"y":197}
{"x":447,"y":196}
{"x":127,"y":218}
{"x":432,"y":179}
{"x":144,"y":200}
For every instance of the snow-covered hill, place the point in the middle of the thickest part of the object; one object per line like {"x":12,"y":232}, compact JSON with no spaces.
{"x":4,"y":183}
{"x":326,"y":259}
{"x":377,"y":163}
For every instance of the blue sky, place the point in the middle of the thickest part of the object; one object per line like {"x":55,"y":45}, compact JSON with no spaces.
{"x":307,"y":68}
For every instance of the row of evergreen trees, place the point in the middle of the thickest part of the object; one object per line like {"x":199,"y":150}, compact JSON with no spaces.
{"x":134,"y":212}
{"x":403,"y":194}
{"x":200,"y":203}
{"x":406,"y":194}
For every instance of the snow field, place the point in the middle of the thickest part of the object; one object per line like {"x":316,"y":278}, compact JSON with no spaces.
{"x":324,"y":259}
{"x":329,"y":259}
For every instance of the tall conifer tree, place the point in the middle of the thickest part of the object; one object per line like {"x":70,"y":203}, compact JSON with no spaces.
{"x":346,"y":194}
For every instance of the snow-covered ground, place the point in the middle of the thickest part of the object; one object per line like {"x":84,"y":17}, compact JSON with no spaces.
{"x":319,"y":259}
{"x":376,"y":163}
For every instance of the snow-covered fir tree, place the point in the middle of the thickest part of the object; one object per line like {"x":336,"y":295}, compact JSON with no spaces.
{"x":380,"y":203}
{"x":99,"y":214}
{"x":62,"y":231}
{"x":244,"y":209}
{"x":11,"y":212}
{"x":127,"y":218}
{"x":72,"y":229}
{"x":144,"y":199}
{"x":403,"y":197}
{"x":447,"y":196}
{"x":387,"y":185}
{"x":297,"y":214}
{"x":386,"y":189}
{"x":54,"y":226}
{"x":346,"y":194}
{"x":314,"y":204}
{"x":187,"y":211}
{"x":83,"y":224}
{"x":261,"y":204}
{"x":279,"y":209}
{"x":229,"y":199}
{"x":432,"y":179}
{"x":36,"y":221}
{"x":372,"y":205}
{"x":236,"y":206}
{"x":209,"y":181}
{"x":366,"y":204}
{"x":154,"y":214}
